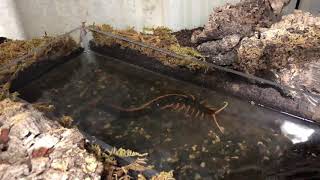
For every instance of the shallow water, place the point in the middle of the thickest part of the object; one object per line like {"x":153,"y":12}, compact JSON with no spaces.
{"x":257,"y":142}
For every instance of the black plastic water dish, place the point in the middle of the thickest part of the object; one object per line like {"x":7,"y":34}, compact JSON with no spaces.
{"x":262,"y":142}
{"x":41,"y":67}
{"x":217,"y":80}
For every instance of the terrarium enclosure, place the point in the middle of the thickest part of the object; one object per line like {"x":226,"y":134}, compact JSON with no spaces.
{"x":160,"y":89}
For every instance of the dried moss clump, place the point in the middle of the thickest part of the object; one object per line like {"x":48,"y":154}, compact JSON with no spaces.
{"x":17,"y":55}
{"x":114,"y":170}
{"x":160,"y":37}
{"x":125,"y":153}
{"x":13,"y":49}
{"x":164,"y":176}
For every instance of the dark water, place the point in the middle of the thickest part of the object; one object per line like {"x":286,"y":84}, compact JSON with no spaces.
{"x":257,"y":142}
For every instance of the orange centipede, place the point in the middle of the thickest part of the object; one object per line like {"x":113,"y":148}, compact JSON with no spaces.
{"x":184,"y":103}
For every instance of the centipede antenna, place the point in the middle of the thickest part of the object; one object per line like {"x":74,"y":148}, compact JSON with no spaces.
{"x":221,"y":129}
{"x":219,"y":110}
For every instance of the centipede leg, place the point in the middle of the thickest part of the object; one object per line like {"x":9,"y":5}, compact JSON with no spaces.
{"x":202,"y":115}
{"x":166,"y":106}
{"x":198,"y":112}
{"x":192,"y":111}
{"x":187,"y":109}
{"x":176,"y":106}
{"x":221,"y":129}
{"x":181,"y":108}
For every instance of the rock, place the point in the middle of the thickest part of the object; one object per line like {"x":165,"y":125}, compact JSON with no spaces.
{"x":225,"y":59}
{"x":39,"y":165}
{"x":220,"y":52}
{"x":290,"y":49}
{"x":306,"y":76}
{"x":278,"y":5}
{"x":60,"y":164}
{"x":45,"y":141}
{"x":220,"y":46}
{"x":242,"y":18}
{"x":293,"y":40}
{"x":316,"y":115}
{"x":39,"y":148}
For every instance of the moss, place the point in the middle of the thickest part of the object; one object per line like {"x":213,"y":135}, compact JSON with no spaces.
{"x":125,"y":153}
{"x":66,"y":121}
{"x":160,"y":37}
{"x":164,"y":176}
{"x":113,"y":169}
{"x":44,"y":107}
{"x":11,"y":50}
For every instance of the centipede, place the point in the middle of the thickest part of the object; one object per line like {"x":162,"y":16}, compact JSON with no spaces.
{"x":182,"y":103}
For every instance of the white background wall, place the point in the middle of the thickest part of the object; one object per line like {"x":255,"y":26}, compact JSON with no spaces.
{"x":57,"y":16}
{"x":10,"y":25}
{"x":31,"y":18}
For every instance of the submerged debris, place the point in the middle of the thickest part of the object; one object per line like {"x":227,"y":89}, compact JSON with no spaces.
{"x":159,"y":37}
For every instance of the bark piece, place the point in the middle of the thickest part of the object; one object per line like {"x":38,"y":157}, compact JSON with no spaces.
{"x":242,"y":18}
{"x":290,"y":48}
{"x":42,"y":149}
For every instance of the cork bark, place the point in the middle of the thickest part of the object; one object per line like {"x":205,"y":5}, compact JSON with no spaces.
{"x":34,"y":147}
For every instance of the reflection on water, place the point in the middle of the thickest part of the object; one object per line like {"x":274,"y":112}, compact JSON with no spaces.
{"x":295,"y":132}
{"x":253,"y":145}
